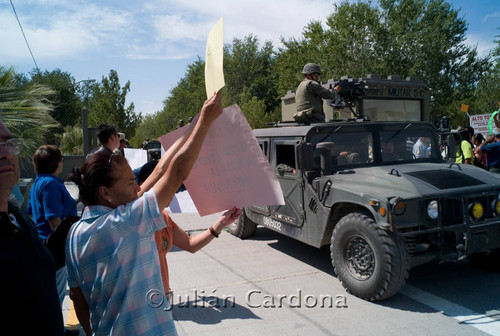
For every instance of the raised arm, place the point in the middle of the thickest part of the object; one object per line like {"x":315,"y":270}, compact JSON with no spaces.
{"x":184,"y":159}
{"x":166,"y":159}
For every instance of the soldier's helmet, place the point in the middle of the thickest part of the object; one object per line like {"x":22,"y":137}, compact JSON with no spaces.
{"x":311,"y":68}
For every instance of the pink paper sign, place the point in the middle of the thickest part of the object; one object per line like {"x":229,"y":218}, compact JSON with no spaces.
{"x":231,"y":169}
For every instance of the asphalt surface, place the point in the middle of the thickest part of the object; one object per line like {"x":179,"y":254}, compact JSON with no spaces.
{"x":277,"y":285}
{"x":271,"y":284}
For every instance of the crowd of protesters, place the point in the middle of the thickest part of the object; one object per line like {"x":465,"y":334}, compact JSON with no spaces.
{"x":111,"y":251}
{"x":472,"y":148}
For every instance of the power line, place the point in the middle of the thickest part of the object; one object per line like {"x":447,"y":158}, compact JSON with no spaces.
{"x":25,"y":39}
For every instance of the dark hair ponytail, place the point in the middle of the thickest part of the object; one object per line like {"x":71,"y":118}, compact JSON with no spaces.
{"x":96,"y":171}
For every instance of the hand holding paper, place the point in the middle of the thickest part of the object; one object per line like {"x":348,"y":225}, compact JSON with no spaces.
{"x":212,"y":108}
{"x":231,"y":170}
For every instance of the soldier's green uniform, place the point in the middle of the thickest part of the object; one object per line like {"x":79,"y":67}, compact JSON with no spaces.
{"x":309,"y":97}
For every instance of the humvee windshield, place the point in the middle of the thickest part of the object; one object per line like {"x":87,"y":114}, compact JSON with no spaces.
{"x":362,"y":147}
{"x":349,"y":148}
{"x":413,"y":144}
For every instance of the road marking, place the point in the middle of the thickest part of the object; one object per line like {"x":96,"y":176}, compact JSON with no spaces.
{"x":464,"y":315}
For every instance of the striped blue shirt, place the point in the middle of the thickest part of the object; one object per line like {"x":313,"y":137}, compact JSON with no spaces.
{"x":111,"y":256}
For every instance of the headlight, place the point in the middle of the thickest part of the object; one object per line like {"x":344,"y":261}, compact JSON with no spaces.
{"x":495,"y":206}
{"x":432,"y":209}
{"x":398,"y":206}
{"x":476,"y":210}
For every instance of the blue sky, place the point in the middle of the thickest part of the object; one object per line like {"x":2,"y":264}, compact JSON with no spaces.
{"x":151,"y":42}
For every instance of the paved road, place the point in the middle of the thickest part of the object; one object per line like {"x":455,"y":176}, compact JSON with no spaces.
{"x":274,"y":285}
{"x":265,"y":276}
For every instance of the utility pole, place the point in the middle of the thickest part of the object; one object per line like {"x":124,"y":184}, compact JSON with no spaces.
{"x":85,"y":130}
{"x":85,"y":123}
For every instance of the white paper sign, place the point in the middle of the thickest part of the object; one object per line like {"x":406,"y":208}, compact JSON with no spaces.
{"x":480,"y":123}
{"x":182,"y":203}
{"x":214,"y":55}
{"x":136,"y":157}
{"x":231,"y":169}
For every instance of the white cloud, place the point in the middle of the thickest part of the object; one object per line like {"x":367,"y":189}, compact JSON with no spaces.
{"x":176,"y":28}
{"x":483,"y":42}
{"x":181,"y":27}
{"x":268,"y":20}
{"x":160,"y":30}
{"x":70,"y":31}
{"x":491,"y":16}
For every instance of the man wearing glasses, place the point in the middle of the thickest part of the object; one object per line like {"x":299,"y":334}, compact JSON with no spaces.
{"x":310,"y":94}
{"x":29,"y":271}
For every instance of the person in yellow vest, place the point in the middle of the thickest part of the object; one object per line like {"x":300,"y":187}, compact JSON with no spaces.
{"x":310,"y":94}
{"x":465,"y":154}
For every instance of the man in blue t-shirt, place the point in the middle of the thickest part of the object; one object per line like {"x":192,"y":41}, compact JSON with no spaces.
{"x":492,"y":147}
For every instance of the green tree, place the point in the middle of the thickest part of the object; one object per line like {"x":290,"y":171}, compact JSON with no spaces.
{"x":422,"y":38}
{"x":487,"y":93}
{"x":67,"y":103}
{"x":251,"y":82}
{"x":249,"y":72}
{"x":25,"y":110}
{"x":346,"y":47}
{"x":107,"y":105}
{"x":150,"y":128}
{"x":72,"y":141}
{"x":185,"y":100}
{"x":254,"y":111}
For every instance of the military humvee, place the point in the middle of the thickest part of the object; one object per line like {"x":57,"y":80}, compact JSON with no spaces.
{"x":381,"y":195}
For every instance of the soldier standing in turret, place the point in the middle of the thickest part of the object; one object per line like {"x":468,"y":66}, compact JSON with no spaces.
{"x":310,"y":94}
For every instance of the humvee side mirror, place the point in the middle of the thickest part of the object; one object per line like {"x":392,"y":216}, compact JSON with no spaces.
{"x":326,"y":157}
{"x":304,"y":158}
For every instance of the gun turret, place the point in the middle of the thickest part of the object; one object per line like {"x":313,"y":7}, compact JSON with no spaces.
{"x":351,"y":94}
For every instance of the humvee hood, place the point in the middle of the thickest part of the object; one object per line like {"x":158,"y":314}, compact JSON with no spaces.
{"x":415,"y":180}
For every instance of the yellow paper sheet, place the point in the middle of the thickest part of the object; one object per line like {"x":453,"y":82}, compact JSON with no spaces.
{"x":214,"y":74}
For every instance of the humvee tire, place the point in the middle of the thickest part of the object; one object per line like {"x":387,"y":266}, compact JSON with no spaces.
{"x":371,"y":263}
{"x":243,"y":227}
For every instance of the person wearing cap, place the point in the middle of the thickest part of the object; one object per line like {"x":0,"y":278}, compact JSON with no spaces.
{"x":123,"y":143}
{"x":310,"y":94}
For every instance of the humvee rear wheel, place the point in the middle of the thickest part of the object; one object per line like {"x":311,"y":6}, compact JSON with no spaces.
{"x":371,"y":263}
{"x":243,"y":227}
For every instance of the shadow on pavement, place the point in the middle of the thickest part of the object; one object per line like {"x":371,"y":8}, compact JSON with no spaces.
{"x":317,"y":258}
{"x":458,"y":282}
{"x":210,"y":310}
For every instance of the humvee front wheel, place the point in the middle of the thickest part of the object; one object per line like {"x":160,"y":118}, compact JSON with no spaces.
{"x":243,"y":227}
{"x":371,"y":263}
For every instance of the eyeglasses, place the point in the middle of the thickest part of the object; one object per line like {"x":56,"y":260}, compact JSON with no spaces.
{"x":14,"y":146}
{"x":110,"y":160}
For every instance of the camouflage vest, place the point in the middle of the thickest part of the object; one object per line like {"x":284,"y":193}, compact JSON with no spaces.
{"x":309,"y":106}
